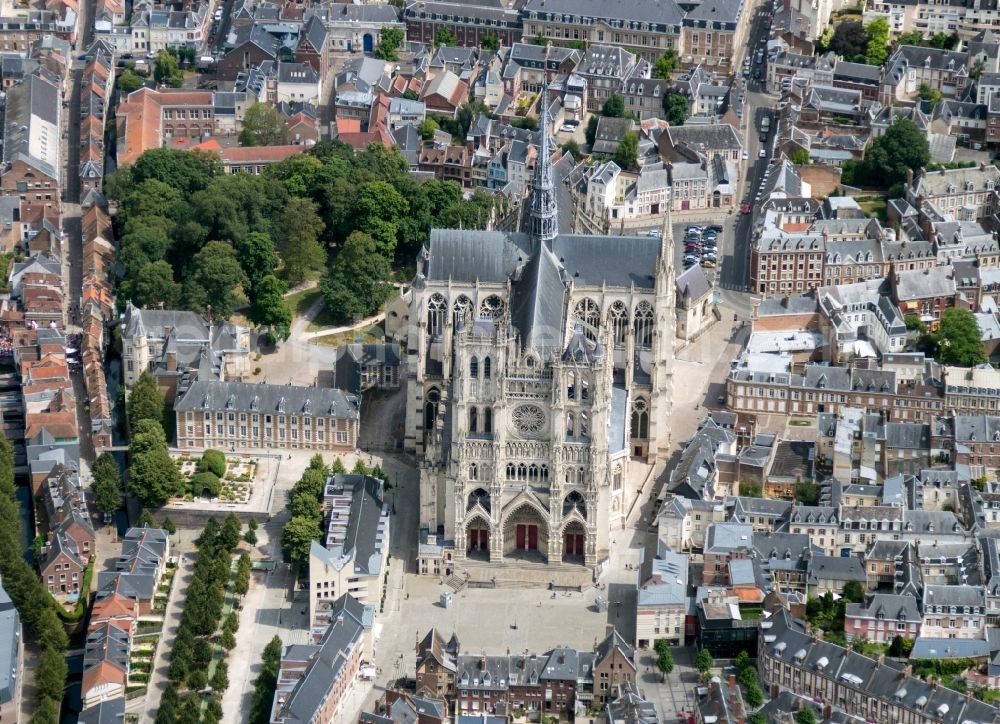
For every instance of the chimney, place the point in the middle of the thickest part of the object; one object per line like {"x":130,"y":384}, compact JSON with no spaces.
{"x":909,"y":177}
{"x":881,"y":659}
{"x":732,"y":681}
{"x":808,"y":629}
{"x":908,"y":670}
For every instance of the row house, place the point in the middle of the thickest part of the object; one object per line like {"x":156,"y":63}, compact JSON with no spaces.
{"x":911,"y":66}
{"x":967,"y":194}
{"x":829,"y":389}
{"x":357,"y":28}
{"x":18,"y":33}
{"x":469,"y":23}
{"x":791,"y":658}
{"x":96,"y":86}
{"x":553,"y":683}
{"x":645,"y":27}
{"x":124,"y":594}
{"x":662,"y":600}
{"x":972,"y":390}
{"x":97,"y":307}
{"x":150,"y":118}
{"x":820,"y":523}
{"x":953,"y":612}
{"x":882,"y":618}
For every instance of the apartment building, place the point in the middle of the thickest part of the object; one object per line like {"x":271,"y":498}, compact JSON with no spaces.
{"x":355,"y":548}
{"x":662,"y":603}
{"x":951,"y":612}
{"x":882,"y":618}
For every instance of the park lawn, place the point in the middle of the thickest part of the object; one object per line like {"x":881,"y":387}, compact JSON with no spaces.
{"x":874,"y":207}
{"x":367,"y":335}
{"x":302,"y":300}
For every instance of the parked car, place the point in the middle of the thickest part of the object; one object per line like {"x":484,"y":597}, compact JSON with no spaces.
{"x":745,"y":208}
{"x":745,"y":155}
{"x":708,"y":263}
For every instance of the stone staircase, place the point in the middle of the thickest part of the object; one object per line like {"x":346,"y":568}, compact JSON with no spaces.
{"x":455,"y":583}
{"x":526,"y":574}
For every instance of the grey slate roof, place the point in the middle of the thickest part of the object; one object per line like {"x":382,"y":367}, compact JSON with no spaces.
{"x":108,"y":711}
{"x":890,"y":606}
{"x":657,"y":12}
{"x":362,"y":539}
{"x":246,"y":397}
{"x":10,"y":647}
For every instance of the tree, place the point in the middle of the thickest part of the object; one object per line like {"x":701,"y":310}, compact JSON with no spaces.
{"x":129,"y":81}
{"x":256,"y":256}
{"x":300,"y":248}
{"x":205,"y":484}
{"x":703,"y":661}
{"x":444,"y":36}
{"x":215,"y":280}
{"x":166,"y":70}
{"x":153,"y":476}
{"x":263,"y":126}
{"x":197,"y":679}
{"x":805,"y":716}
{"x":750,"y":490}
{"x":928,"y":94}
{"x":854,"y":592}
{"x":47,"y":711}
{"x":900,"y":647}
{"x":665,"y":64}
{"x":388,"y":42}
{"x":614,"y":107}
{"x":627,"y":154}
{"x":220,"y":679}
{"x":910,"y":37}
{"x":145,"y":402}
{"x":902,"y":147}
{"x":50,"y":676}
{"x":297,"y":537}
{"x":214,"y":461}
{"x":229,"y":533}
{"x":799,"y":156}
{"x":676,"y":107}
{"x":742,"y":660}
{"x":490,"y":41}
{"x":849,"y":39}
{"x":185,"y":171}
{"x":154,"y":285}
{"x":877,"y":47}
{"x":107,"y":486}
{"x":757,"y":718}
{"x":228,"y":640}
{"x":573,"y":149}
{"x":427,"y":128}
{"x":807,"y":493}
{"x":267,"y":679}
{"x":356,"y":283}
{"x":145,"y":520}
{"x":914,"y":324}
{"x":590,"y":132}
{"x":752,"y":696}
{"x":168,"y":525}
{"x":959,"y":339}
{"x":269,"y":307}
{"x":941,"y":41}
{"x":665,"y":661}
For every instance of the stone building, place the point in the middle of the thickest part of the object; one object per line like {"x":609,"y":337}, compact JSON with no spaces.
{"x":530,"y":354}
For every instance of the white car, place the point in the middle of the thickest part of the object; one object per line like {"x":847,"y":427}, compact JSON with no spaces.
{"x":763,"y":153}
{"x":746,"y":155}
{"x":567,"y":128}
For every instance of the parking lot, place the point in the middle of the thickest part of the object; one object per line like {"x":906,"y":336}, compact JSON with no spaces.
{"x":680,"y":252}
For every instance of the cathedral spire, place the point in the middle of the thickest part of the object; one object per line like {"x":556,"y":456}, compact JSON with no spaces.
{"x":543,"y":216}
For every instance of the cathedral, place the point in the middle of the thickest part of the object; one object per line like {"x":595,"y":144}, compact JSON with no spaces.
{"x":539,"y":364}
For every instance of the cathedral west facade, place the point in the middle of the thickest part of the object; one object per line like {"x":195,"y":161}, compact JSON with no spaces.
{"x":540,"y":363}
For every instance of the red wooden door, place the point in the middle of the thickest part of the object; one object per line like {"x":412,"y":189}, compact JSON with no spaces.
{"x":579,"y":544}
{"x":532,"y":537}
{"x":521,"y":534}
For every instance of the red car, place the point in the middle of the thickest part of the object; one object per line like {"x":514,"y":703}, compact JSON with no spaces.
{"x":745,"y":209}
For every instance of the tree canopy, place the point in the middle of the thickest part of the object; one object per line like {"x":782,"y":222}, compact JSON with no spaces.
{"x":665,"y":64}
{"x":614,"y":107}
{"x":676,"y":107}
{"x":902,"y":147}
{"x":877,"y":45}
{"x":850,"y":40}
{"x":145,"y":401}
{"x":388,"y":43}
{"x":263,"y":126}
{"x":627,"y":154}
{"x":959,"y":339}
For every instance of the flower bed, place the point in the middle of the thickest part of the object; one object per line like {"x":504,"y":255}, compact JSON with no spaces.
{"x":236,"y":486}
